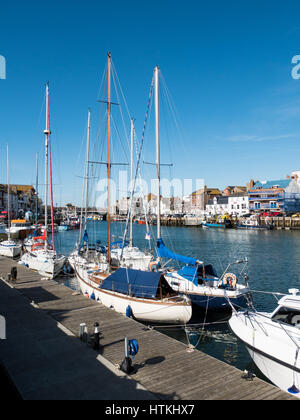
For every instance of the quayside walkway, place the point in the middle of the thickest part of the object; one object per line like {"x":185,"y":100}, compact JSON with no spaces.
{"x":46,"y":361}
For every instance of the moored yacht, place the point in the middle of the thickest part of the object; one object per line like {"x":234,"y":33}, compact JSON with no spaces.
{"x":42,"y":256}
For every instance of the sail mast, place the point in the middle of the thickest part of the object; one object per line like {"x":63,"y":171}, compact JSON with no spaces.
{"x":8,"y":192}
{"x":131,"y":183}
{"x":87,"y":170}
{"x":46,"y":132}
{"x":50,"y":169}
{"x":36,"y":189}
{"x":108,"y":154}
{"x":156,"y":78}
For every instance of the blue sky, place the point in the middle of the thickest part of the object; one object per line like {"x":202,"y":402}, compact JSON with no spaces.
{"x":227,"y":66}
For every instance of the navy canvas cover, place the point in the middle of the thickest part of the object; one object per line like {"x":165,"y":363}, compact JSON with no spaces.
{"x":135,"y":283}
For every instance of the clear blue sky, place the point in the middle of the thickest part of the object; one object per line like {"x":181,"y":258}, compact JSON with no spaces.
{"x":227,"y":65}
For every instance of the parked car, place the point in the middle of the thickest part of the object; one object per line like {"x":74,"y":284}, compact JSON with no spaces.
{"x":271,"y":214}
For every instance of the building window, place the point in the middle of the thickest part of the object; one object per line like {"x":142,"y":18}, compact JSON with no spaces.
{"x":273,"y":205}
{"x":257,"y":206}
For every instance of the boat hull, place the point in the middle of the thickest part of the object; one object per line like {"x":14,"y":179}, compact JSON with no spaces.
{"x":11,"y":251}
{"x":217,"y":303}
{"x":143,"y":310}
{"x":49,"y":268}
{"x":273,"y":353}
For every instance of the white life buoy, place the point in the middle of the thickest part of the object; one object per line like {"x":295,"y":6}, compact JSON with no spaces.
{"x":230,"y":279}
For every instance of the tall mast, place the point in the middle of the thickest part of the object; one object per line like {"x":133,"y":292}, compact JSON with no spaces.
{"x":46,"y":132}
{"x":36,"y":189}
{"x":87,"y":169}
{"x":50,"y":170}
{"x":131,"y":182}
{"x":156,"y":78}
{"x":8,"y":191}
{"x":108,"y":154}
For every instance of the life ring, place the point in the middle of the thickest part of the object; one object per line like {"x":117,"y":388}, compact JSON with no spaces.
{"x":153,"y":264}
{"x":230,"y":279}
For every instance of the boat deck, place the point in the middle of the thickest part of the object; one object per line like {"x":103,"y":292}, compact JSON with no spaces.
{"x":45,"y":360}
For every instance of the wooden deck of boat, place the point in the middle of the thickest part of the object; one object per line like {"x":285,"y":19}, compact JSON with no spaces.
{"x":165,"y":370}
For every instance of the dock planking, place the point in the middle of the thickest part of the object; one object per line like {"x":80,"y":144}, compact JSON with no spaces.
{"x":164,"y":368}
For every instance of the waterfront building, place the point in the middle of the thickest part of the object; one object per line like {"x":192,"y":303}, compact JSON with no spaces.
{"x":22,"y":199}
{"x":200,"y":198}
{"x":275,"y":196}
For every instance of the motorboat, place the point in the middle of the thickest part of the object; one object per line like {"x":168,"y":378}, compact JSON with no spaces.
{"x":273,"y":340}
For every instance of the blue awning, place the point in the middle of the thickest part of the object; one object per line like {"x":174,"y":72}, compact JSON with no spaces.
{"x":133,"y":282}
{"x":164,"y":252}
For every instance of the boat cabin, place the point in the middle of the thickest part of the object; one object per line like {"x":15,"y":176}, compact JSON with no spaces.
{"x":288,"y":311}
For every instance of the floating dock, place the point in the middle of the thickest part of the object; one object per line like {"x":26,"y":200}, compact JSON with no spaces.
{"x":46,"y":360}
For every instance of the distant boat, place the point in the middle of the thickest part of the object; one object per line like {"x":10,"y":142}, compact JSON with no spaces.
{"x":222,"y":225}
{"x":252,"y":223}
{"x":9,"y":248}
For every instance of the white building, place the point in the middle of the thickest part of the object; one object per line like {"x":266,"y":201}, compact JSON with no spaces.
{"x":234,"y":205}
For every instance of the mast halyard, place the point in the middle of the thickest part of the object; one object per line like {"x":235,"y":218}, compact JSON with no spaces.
{"x":157,"y":136}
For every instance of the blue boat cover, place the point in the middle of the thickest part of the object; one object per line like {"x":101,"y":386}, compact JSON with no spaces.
{"x":164,"y":252}
{"x":190,"y":273}
{"x":135,"y":283}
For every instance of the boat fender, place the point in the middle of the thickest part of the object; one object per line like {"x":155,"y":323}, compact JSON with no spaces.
{"x":129,"y":312}
{"x":230,"y":279}
{"x":133,"y":348}
{"x":86,"y":295}
{"x":93,"y":297}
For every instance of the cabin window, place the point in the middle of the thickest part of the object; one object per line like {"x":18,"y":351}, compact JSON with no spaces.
{"x":288,"y":316}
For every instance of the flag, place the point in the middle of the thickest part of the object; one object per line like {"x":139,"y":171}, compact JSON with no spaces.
{"x":148,"y":236}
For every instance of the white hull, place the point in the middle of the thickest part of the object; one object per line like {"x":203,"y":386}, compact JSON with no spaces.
{"x":270,"y":347}
{"x":8,"y":249}
{"x":46,"y":264}
{"x":146,"y":310}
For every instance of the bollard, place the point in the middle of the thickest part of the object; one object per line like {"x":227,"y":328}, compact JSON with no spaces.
{"x":126,"y":365}
{"x":96,"y":337}
{"x":14,"y":273}
{"x":83,"y":332}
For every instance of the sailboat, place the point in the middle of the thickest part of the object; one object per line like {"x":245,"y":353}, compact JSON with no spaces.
{"x":144,"y":295}
{"x":42,"y":256}
{"x":9,"y":248}
{"x":195,"y":279}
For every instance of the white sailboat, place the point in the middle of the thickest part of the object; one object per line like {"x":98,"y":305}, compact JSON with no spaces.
{"x":43,"y":257}
{"x":9,"y":248}
{"x":145,"y":295}
{"x":273,"y":341}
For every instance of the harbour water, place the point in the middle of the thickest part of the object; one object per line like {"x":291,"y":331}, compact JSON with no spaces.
{"x":274,"y":266}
